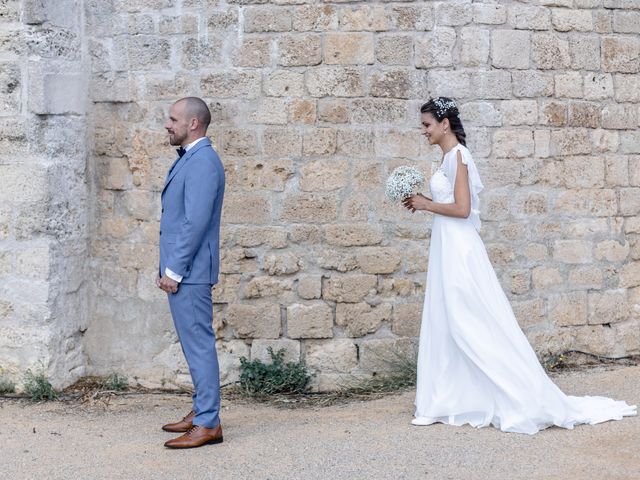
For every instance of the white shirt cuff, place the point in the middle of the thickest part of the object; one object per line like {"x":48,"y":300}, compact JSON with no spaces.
{"x":172,"y":275}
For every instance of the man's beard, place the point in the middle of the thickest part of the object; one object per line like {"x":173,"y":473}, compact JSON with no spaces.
{"x":175,"y":139}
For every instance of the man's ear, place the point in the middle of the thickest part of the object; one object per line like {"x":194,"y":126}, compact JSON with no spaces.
{"x":194,"y":124}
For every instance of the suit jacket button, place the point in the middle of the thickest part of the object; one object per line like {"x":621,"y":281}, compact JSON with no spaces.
{"x":160,"y":232}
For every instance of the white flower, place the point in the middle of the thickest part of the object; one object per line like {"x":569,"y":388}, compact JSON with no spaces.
{"x":402,"y":182}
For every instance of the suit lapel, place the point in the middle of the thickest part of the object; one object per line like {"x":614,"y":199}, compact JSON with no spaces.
{"x":179,"y":163}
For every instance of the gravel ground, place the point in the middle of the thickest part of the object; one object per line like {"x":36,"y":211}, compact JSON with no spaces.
{"x":357,"y":440}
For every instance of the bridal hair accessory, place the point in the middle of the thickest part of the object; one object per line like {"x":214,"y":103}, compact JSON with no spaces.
{"x":402,"y":182}
{"x":445,"y":106}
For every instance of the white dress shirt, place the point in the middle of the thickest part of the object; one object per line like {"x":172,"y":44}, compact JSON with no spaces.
{"x":167,"y":271}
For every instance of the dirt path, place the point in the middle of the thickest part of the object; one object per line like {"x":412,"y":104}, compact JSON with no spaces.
{"x":358,"y":440}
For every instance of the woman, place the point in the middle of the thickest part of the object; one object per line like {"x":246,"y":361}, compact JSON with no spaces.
{"x":475,"y":365}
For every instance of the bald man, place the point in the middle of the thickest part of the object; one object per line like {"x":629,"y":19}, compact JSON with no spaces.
{"x":189,"y":263}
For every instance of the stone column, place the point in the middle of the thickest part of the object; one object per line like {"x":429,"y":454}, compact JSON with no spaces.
{"x":43,"y":191}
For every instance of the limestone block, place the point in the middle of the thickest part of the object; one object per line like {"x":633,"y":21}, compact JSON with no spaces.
{"x":259,"y":349}
{"x":281,"y":263}
{"x":629,"y":142}
{"x":239,"y":142}
{"x":141,"y":256}
{"x":598,"y":86}
{"x":269,"y":111}
{"x":417,"y":17}
{"x":226,"y":19}
{"x":394,"y":49}
{"x":230,"y":84}
{"x":378,"y":110}
{"x":519,"y":112}
{"x":337,"y":355}
{"x":254,"y":321}
{"x":600,"y":340}
{"x":265,"y":19}
{"x":299,"y":49}
{"x":620,"y":54}
{"x":550,"y":51}
{"x":520,"y":281}
{"x":350,"y":288}
{"x":227,"y":288}
{"x":355,"y":143}
{"x":315,"y":18}
{"x":532,"y":83}
{"x":587,"y":202}
{"x":348,"y":48}
{"x":398,"y":83}
{"x":397,"y":143}
{"x":305,"y":234}
{"x":125,"y":280}
{"x":510,"y":49}
{"x":330,"y":259}
{"x":482,"y":113}
{"x":570,"y":142}
{"x":319,"y":141}
{"x":247,"y":236}
{"x":629,"y":201}
{"x":456,"y":12}
{"x":584,"y":114}
{"x":302,"y":111}
{"x":489,"y":13}
{"x":22,"y":183}
{"x":310,"y":208}
{"x":627,"y":87}
{"x":407,"y":319}
{"x":583,"y":172}
{"x":247,"y":208}
{"x":564,"y":20}
{"x":632,"y":225}
{"x":253,"y":51}
{"x":435,"y":49}
{"x":359,"y":319}
{"x":584,"y":51}
{"x":324,"y":176}
{"x":383,"y":354}
{"x":573,"y":251}
{"x":281,"y":141}
{"x":542,"y":140}
{"x":492,"y":84}
{"x":525,"y":17}
{"x":619,"y":116}
{"x":238,"y":260}
{"x":616,"y":170}
{"x":378,"y":259}
{"x":530,"y":313}
{"x":365,"y":17}
{"x":262,"y":287}
{"x":568,"y":309}
{"x":284,"y":83}
{"x":332,"y":110}
{"x":266,"y":175}
{"x":475,"y":45}
{"x":310,"y":286}
{"x":402,"y":287}
{"x":609,"y":306}
{"x":229,"y":354}
{"x":634,"y":170}
{"x":545,"y":277}
{"x":513,"y":143}
{"x":628,"y":335}
{"x":353,"y":234}
{"x":568,"y":85}
{"x":586,"y":277}
{"x":53,"y":43}
{"x":605,"y":140}
{"x":335,"y":81}
{"x":10,"y":87}
{"x":630,"y":275}
{"x":310,"y":321}
{"x":626,"y":21}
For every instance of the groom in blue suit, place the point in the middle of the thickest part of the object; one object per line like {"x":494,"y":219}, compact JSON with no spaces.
{"x":189,"y":263}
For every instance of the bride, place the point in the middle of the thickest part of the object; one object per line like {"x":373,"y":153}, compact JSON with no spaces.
{"x":475,"y":365}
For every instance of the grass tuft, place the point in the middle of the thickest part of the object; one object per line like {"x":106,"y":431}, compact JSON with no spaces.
{"x":37,"y":387}
{"x":115,"y":382}
{"x":259,"y":379}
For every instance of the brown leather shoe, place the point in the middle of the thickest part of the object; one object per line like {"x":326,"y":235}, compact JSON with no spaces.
{"x":197,"y":436}
{"x":182,"y":426}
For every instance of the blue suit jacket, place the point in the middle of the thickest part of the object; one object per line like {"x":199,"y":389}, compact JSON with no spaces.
{"x":191,"y":211}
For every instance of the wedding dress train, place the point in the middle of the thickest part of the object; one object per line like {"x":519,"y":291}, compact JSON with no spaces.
{"x":475,"y":364}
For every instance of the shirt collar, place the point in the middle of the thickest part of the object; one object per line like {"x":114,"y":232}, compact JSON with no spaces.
{"x":192,"y":144}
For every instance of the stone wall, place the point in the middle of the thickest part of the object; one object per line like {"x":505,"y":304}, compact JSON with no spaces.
{"x":314,"y":103}
{"x":43,"y":193}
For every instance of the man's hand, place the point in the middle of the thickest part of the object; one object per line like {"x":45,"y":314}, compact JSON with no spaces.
{"x":166,"y":284}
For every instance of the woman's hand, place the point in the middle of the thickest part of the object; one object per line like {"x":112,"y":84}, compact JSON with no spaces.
{"x":416,"y":202}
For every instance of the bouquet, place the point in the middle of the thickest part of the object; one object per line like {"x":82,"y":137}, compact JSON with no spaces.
{"x":402,"y":183}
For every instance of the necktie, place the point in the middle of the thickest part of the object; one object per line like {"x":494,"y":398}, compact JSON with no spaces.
{"x":181,"y":151}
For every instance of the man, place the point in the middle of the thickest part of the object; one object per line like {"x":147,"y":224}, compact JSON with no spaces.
{"x":189,"y":263}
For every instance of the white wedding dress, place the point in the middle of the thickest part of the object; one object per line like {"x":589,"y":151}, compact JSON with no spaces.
{"x":475,"y":365}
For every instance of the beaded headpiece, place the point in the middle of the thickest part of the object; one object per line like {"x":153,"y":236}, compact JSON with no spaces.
{"x":444,"y":107}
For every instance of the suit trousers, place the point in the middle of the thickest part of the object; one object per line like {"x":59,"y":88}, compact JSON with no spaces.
{"x":192,"y":311}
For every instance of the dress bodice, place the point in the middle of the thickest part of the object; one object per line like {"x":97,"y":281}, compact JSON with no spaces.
{"x":441,"y":188}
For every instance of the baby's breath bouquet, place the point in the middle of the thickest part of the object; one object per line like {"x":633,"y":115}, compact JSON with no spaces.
{"x":403,"y":182}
